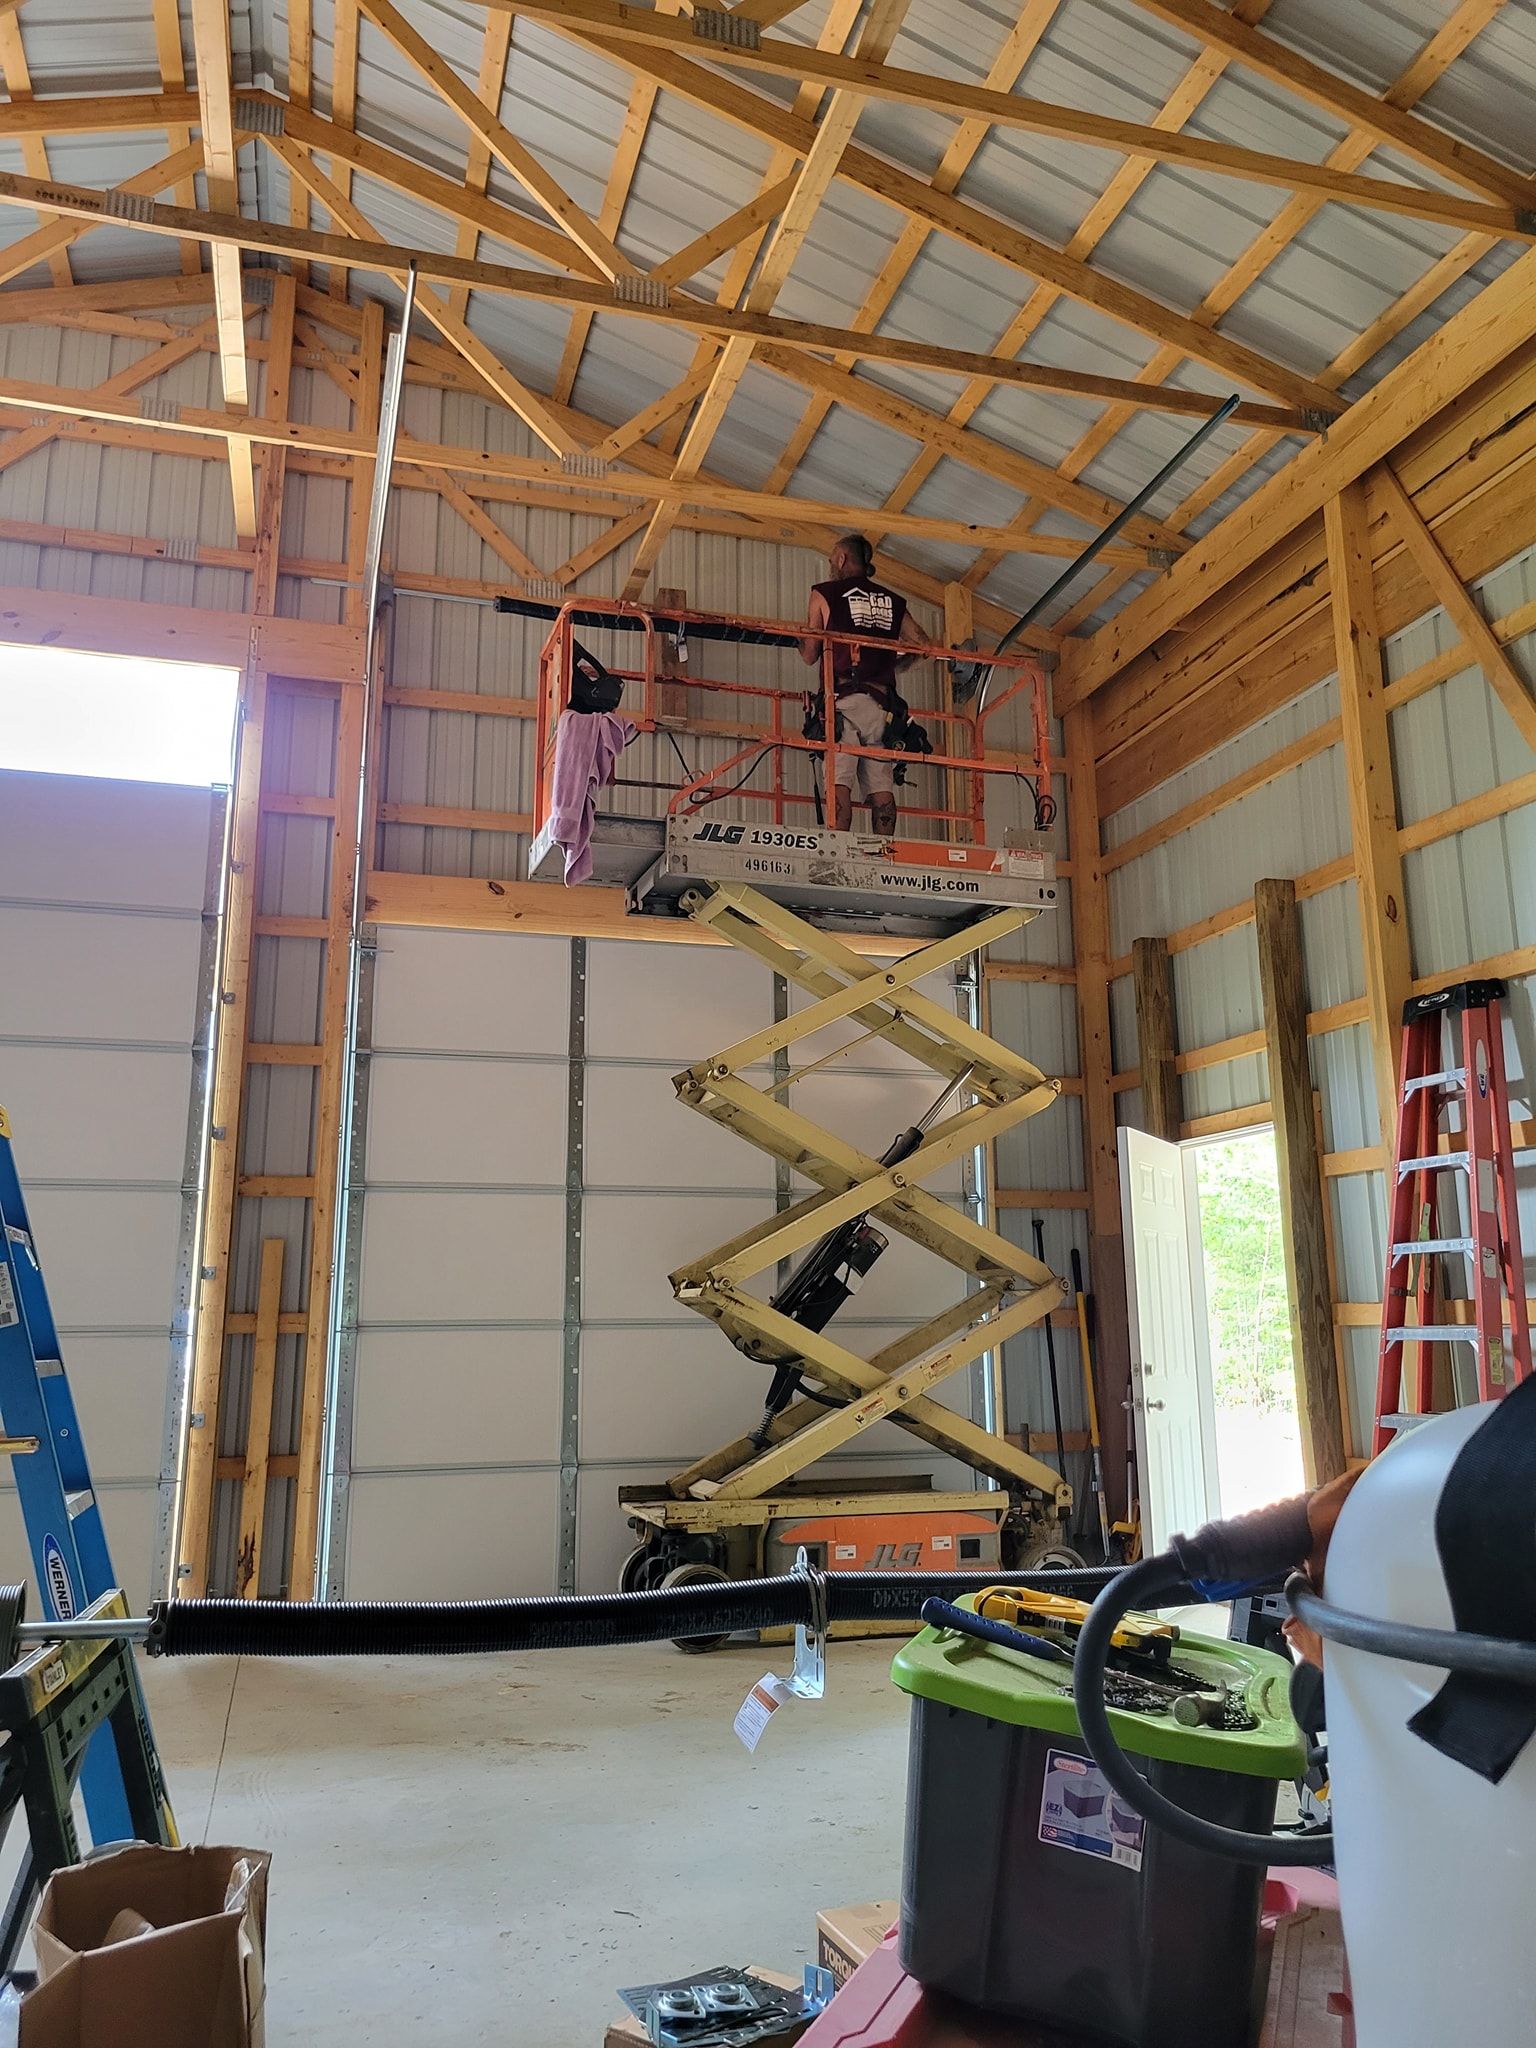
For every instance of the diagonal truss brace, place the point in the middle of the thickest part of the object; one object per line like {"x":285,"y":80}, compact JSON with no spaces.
{"x":1014,"y":1291}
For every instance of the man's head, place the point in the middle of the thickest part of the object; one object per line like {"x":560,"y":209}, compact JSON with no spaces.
{"x":852,"y":556}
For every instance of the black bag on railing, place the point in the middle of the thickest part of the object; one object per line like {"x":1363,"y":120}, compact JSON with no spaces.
{"x":593,"y":687}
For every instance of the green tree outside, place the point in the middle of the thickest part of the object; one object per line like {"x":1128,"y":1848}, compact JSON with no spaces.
{"x":1251,"y":1357}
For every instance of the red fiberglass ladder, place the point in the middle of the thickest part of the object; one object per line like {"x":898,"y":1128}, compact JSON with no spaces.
{"x":1482,"y":1161}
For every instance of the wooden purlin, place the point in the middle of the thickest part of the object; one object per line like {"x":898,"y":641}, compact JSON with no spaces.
{"x":615,"y":23}
{"x":489,"y":86}
{"x":813,"y":179}
{"x":1101,"y":216}
{"x":1004,"y":73}
{"x":995,"y":237}
{"x":1431,"y":63}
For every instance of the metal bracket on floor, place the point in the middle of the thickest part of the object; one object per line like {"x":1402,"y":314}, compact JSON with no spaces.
{"x":808,"y":1680}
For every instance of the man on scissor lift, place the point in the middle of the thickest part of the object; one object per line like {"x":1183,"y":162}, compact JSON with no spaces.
{"x":864,"y":678}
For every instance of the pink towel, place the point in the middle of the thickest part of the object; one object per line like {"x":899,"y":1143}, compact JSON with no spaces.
{"x":587,"y":747}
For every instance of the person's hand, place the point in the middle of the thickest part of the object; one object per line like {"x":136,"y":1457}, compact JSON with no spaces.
{"x":1322,"y":1518}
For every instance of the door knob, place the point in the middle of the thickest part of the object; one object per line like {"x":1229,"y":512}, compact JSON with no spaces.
{"x":1155,"y":1404}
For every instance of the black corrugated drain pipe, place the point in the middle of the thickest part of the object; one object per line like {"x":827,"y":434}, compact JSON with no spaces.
{"x":453,"y":1628}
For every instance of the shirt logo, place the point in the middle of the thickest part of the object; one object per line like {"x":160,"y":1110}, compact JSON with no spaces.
{"x":872,"y":611}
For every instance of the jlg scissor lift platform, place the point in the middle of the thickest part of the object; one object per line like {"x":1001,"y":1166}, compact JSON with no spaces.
{"x":783,"y":889}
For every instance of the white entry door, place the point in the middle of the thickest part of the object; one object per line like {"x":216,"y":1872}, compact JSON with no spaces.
{"x":1171,"y":1391}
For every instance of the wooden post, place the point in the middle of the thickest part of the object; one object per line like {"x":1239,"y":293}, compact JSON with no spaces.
{"x":1157,"y":1039}
{"x":1283,"y":983}
{"x":258,"y":1428}
{"x":228,"y":1096}
{"x":1106,"y":1243}
{"x":1372,"y":790}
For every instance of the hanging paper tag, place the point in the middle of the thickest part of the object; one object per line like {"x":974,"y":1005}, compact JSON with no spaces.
{"x":759,"y":1708}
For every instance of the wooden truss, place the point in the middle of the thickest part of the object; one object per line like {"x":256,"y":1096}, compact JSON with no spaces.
{"x":1007,"y":1290}
{"x":711,"y":58}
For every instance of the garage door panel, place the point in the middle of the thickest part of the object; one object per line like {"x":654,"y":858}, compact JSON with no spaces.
{"x":632,"y":1242}
{"x":108,"y":1114}
{"x":109,"y":1257}
{"x":451,"y":1535}
{"x":443,"y":1257}
{"x":88,"y":974}
{"x":448,"y":1398}
{"x":466,"y":1120}
{"x":639,"y":1135}
{"x":471,"y":992}
{"x":672,"y":1002}
{"x":78,"y":839}
{"x":666,"y":1394}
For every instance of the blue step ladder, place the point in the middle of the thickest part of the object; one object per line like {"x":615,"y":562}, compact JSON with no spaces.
{"x":53,"y":1480}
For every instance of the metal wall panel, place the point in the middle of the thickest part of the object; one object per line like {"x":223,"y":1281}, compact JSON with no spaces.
{"x":104,"y":1005}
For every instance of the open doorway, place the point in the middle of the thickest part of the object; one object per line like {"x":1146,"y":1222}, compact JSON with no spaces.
{"x":1247,"y":1306}
{"x":1213,"y":1395}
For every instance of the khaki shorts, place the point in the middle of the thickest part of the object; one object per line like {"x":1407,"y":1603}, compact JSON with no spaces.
{"x":861,"y":721}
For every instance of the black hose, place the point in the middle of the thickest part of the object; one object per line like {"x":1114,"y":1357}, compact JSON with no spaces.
{"x":454,"y":1628}
{"x":1153,"y":1583}
{"x":1447,"y":1649}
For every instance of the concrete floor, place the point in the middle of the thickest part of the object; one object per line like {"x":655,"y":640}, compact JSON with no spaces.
{"x":483,"y":1849}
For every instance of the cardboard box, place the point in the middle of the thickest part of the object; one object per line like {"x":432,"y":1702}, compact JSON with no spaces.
{"x":845,"y":1935}
{"x":628,"y":2032}
{"x":195,"y":1979}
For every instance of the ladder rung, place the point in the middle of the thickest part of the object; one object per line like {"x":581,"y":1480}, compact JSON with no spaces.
{"x":1460,"y":1162}
{"x":1404,"y":1422}
{"x":50,"y":1368}
{"x":1435,"y":1333}
{"x":19,"y":1446}
{"x":1453,"y":1077}
{"x":77,"y":1503}
{"x":1435,"y":1244}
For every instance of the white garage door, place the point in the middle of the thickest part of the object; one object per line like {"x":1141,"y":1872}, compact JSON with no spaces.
{"x":491,"y":1407}
{"x":106,"y":962}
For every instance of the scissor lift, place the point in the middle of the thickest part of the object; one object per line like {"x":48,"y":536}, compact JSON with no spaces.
{"x":749,"y":1506}
{"x":783,"y":887}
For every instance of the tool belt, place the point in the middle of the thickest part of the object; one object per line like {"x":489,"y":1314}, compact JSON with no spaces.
{"x":902,"y":730}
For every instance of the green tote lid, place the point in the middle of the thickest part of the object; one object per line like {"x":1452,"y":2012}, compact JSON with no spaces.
{"x":1029,"y":1692}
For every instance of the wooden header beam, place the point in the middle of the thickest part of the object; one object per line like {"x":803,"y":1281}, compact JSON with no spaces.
{"x":173,"y":632}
